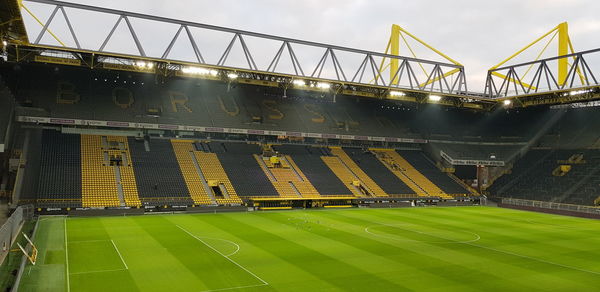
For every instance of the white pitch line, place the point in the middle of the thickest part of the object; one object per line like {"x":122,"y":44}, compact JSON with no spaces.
{"x":237,"y":246}
{"x":92,"y":240}
{"x":122,"y":260}
{"x":228,"y":258}
{"x":99,"y":271}
{"x":477,"y":237}
{"x":232,"y":288}
{"x":67,"y":257}
{"x":535,"y":259}
{"x":514,"y":254}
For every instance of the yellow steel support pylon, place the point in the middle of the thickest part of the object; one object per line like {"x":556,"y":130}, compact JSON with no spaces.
{"x":21,"y":5}
{"x":393,"y":48}
{"x":564,"y":48}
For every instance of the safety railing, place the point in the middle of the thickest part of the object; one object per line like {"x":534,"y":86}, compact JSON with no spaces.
{"x":551,"y":205}
{"x":11,"y":228}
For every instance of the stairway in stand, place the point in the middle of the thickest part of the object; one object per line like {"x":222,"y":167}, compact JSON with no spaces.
{"x":409,"y":175}
{"x":374,"y":189}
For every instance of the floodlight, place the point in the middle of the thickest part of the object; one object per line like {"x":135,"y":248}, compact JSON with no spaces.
{"x":323,"y":85}
{"x":435,"y":98}
{"x":397,"y":93}
{"x":299,"y":82}
{"x":578,"y":92}
{"x":199,"y":71}
{"x":143,"y":64}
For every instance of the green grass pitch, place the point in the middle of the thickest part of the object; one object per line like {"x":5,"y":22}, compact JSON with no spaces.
{"x":411,"y":249}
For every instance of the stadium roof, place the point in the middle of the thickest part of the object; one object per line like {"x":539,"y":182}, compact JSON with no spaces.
{"x":340,"y":69}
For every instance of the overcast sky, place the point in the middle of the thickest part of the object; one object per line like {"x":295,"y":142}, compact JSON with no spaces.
{"x":476,"y":33}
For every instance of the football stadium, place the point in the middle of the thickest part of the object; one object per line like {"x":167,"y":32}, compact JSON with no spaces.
{"x":140,"y":152}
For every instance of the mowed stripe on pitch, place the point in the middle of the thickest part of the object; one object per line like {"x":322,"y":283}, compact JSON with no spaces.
{"x":517,"y":271}
{"x":326,"y":250}
{"x":414,"y":260}
{"x":321,"y":258}
{"x":215,"y":271}
{"x":93,"y":259}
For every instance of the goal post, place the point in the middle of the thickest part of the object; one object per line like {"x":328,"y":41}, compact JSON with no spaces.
{"x":31,"y":256}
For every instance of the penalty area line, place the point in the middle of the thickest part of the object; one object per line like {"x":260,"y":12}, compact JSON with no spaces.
{"x":264,"y":283}
{"x":120,"y":256}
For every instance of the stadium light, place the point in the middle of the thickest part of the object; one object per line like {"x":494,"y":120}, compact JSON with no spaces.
{"x":435,"y":98}
{"x":397,"y":93}
{"x":232,"y":76}
{"x":199,"y":71}
{"x":143,"y":64}
{"x":507,"y":102}
{"x":299,"y":82}
{"x":578,"y":92}
{"x":323,"y":85}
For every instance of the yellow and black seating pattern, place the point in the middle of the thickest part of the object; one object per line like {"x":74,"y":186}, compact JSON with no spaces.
{"x":284,"y":175}
{"x":363,"y":177}
{"x":342,"y":172}
{"x":213,"y":170}
{"x":183,"y":152}
{"x":410,"y":175}
{"x":305,"y":187}
{"x":385,"y":155}
{"x":98,"y":184}
{"x":128,"y":182}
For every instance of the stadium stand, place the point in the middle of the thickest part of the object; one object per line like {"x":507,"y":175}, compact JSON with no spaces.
{"x":380,"y":174}
{"x":216,"y":178}
{"x":126,"y":185}
{"x":196,"y":184}
{"x":372,"y":189}
{"x":203,"y":170}
{"x":577,"y":129}
{"x":157,"y":173}
{"x":284,"y":174}
{"x":99,"y":187}
{"x":409,"y":174}
{"x":429,"y":171}
{"x":107,"y":174}
{"x":97,"y":95}
{"x":60,"y":176}
{"x":344,"y":174}
{"x":246,"y":175}
{"x":538,"y":176}
{"x":308,"y":159}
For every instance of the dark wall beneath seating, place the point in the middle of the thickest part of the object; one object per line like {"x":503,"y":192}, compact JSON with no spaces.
{"x":7,"y":104}
{"x":32,"y":165}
